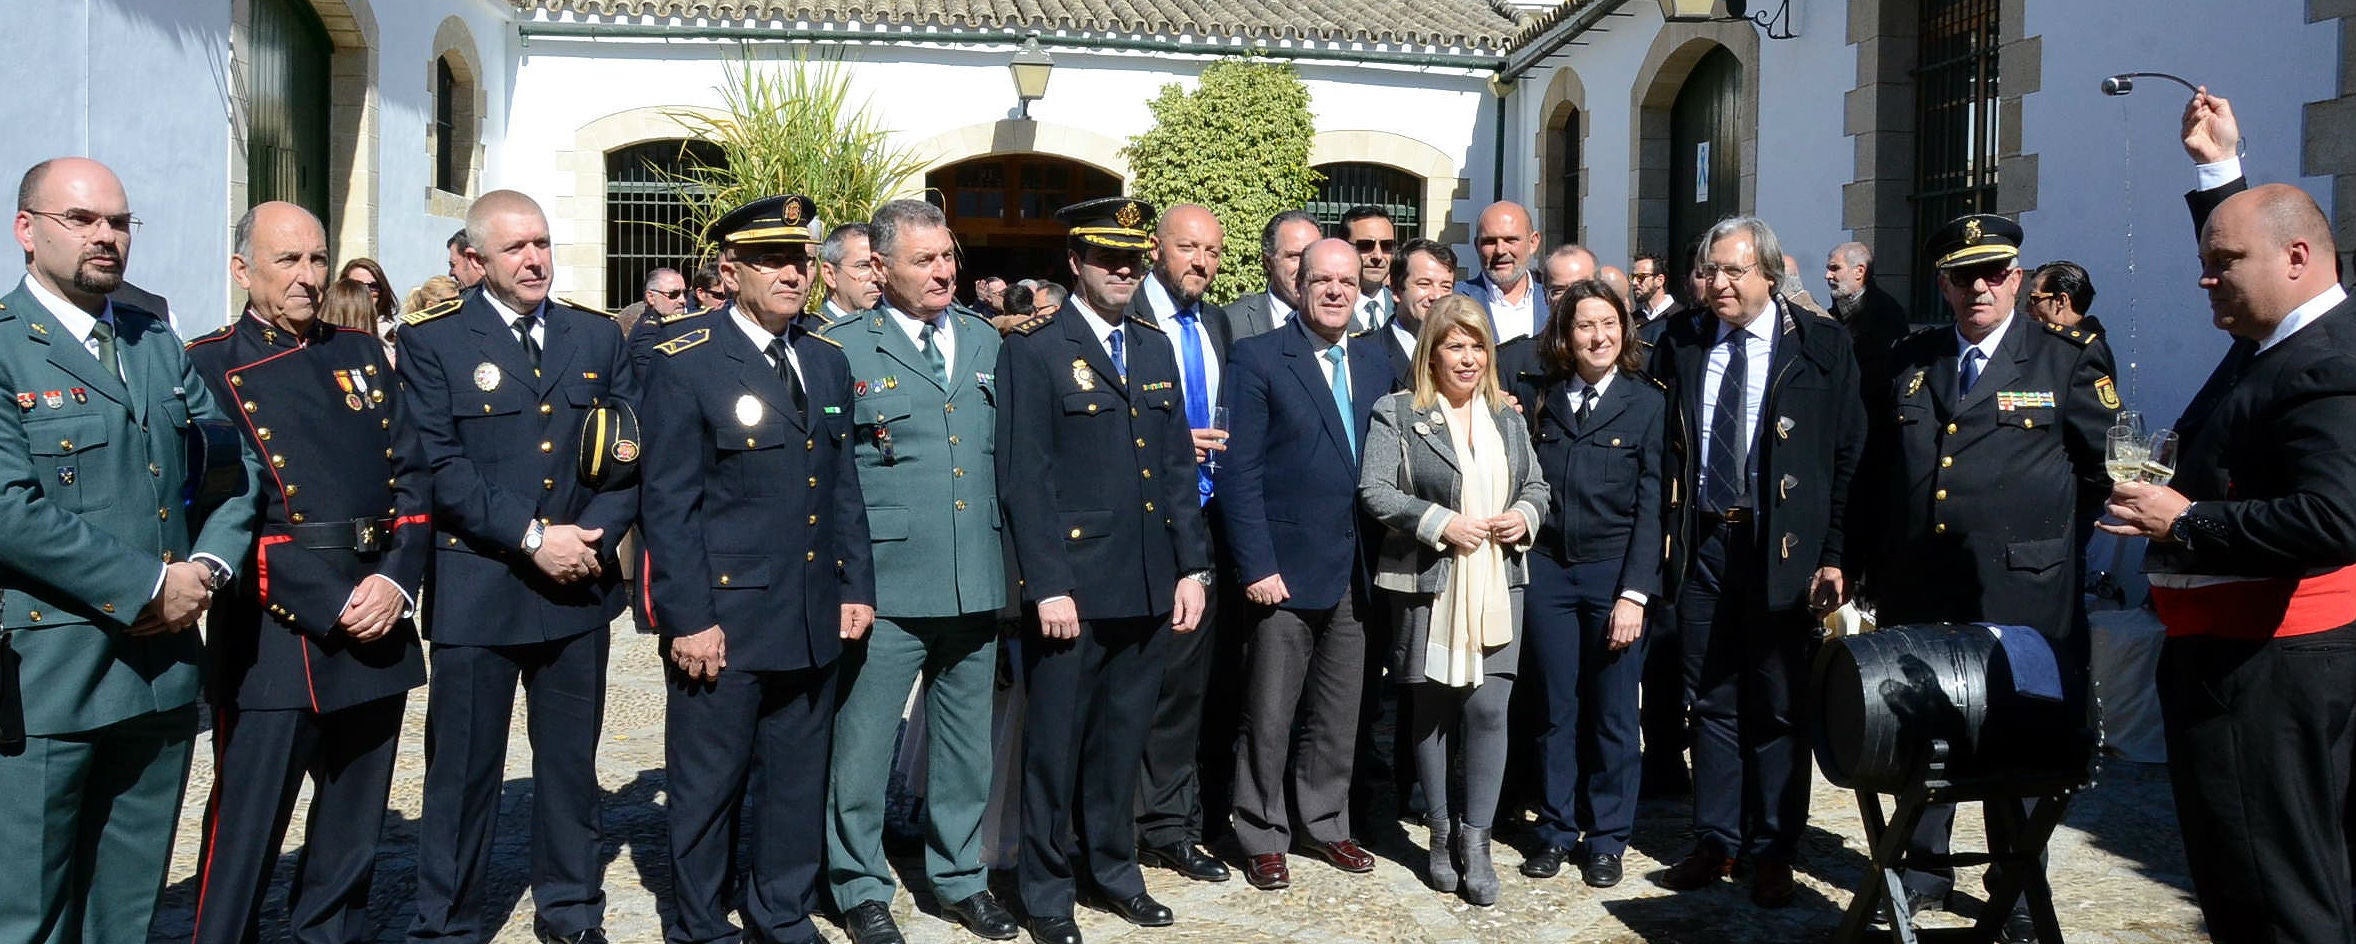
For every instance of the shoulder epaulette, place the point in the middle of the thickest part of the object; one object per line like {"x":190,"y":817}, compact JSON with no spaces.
{"x":820,"y":337}
{"x":2078,"y":336}
{"x":424,"y":315}
{"x":1656,"y":381}
{"x":680,"y":316}
{"x":853,"y":318}
{"x":1373,"y":330}
{"x":592,"y":309}
{"x":1034,"y":323}
{"x":684,"y":341}
{"x":1147,"y":323}
{"x":214,"y":335}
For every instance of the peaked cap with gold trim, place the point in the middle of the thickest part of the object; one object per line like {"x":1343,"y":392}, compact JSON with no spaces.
{"x":1973,"y":239}
{"x":1111,"y":222}
{"x":791,"y":218}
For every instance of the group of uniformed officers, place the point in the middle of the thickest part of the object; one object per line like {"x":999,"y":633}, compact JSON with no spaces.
{"x":831,"y":512}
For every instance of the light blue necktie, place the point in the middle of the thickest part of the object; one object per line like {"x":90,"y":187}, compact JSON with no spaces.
{"x":1120,"y":361}
{"x":1341,"y":395}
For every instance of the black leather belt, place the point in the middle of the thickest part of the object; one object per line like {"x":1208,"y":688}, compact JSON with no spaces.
{"x":1712,"y":519}
{"x":365,"y":535}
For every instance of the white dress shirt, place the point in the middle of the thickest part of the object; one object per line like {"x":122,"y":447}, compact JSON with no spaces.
{"x":1513,"y":319}
{"x":1986,"y":347}
{"x":508,"y":315}
{"x":1758,"y":343}
{"x":1373,"y":310}
{"x":2304,"y":315}
{"x":944,"y":336}
{"x":1279,"y":313}
{"x":1165,"y":310}
{"x":761,"y":337}
{"x":1104,"y":334}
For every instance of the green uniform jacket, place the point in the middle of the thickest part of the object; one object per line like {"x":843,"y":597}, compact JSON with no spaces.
{"x":927,"y":465}
{"x":91,"y":476}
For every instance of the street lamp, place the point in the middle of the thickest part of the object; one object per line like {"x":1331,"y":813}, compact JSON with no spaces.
{"x":1030,"y":67}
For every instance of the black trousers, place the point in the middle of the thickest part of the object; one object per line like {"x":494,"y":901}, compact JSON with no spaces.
{"x":761,"y":737}
{"x":468,"y":705}
{"x":2260,"y":734}
{"x":260,"y":760}
{"x":1091,"y":702}
{"x":1189,"y":728}
{"x":1744,"y":664}
{"x":1587,"y":745}
{"x":1665,"y":706}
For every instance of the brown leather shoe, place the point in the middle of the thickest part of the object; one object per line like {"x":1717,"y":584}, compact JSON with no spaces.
{"x":1772,"y":885}
{"x":1344,"y":854}
{"x":1267,"y":872}
{"x":1698,"y":870}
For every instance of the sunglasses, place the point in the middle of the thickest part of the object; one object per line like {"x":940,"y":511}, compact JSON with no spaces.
{"x":1370,"y":245}
{"x":673,"y":294}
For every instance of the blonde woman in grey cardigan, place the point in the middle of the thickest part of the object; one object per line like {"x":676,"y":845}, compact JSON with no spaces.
{"x":1449,"y":470}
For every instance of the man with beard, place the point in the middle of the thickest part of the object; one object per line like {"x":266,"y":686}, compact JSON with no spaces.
{"x":1506,"y":241}
{"x":923,"y":414}
{"x":1191,"y":734}
{"x":1281,"y":243}
{"x":1648,"y":285}
{"x":524,"y":575}
{"x":1875,"y":320}
{"x":848,"y":265}
{"x":312,"y":667}
{"x":1100,"y":493}
{"x":102,"y":574}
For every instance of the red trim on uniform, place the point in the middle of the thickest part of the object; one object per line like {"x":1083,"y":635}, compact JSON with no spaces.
{"x":224,"y":719}
{"x":309,"y":687}
{"x":2260,"y":609}
{"x":248,"y":419}
{"x":646,"y":584}
{"x":406,"y":520}
{"x":262,"y":564}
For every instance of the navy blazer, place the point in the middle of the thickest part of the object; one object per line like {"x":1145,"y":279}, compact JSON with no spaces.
{"x":1288,"y":482}
{"x":501,"y":441}
{"x":1606,"y":475}
{"x":1477,"y":289}
{"x":754,"y":518}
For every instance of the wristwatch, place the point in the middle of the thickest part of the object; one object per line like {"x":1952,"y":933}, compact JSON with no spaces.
{"x":1203,"y":577}
{"x":2180,"y":530}
{"x":533,"y":537}
{"x":216,"y":575}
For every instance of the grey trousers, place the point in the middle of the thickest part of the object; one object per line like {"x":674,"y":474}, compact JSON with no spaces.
{"x":1306,"y":673}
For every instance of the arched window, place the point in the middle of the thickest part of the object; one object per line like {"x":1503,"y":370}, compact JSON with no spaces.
{"x":1567,"y":139}
{"x":1355,"y":184}
{"x":641,"y":205}
{"x":452,"y":133}
{"x":1955,"y":122}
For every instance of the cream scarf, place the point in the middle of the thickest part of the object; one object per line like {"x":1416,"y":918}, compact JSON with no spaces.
{"x":1474,"y":609}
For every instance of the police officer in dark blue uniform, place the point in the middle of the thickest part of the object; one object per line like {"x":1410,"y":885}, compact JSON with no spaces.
{"x":1096,"y":466}
{"x":313,"y":653}
{"x":756,"y":532}
{"x":523,"y":579}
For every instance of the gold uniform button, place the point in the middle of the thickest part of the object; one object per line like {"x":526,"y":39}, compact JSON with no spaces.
{"x":813,"y":481}
{"x":1946,"y":462}
{"x":1950,"y":429}
{"x":545,"y":409}
{"x":813,"y":519}
{"x":948,"y":408}
{"x":548,"y":485}
{"x":388,"y":453}
{"x":809,"y":555}
{"x":1075,"y":534}
{"x":453,"y":542}
{"x":748,"y":442}
{"x":1940,"y":495}
{"x":1141,"y":443}
{"x":1148,"y":473}
{"x":298,"y":519}
{"x":1615,"y":440}
{"x":956,"y":473}
{"x":264,"y":432}
{"x":1940,"y":528}
{"x":36,"y":615}
{"x":952,"y":440}
{"x":1091,"y":408}
{"x":236,"y":381}
{"x":66,"y":444}
{"x":108,"y":607}
{"x":250,"y":407}
{"x":2028,"y":424}
{"x":386,"y":423}
{"x":155,"y":470}
{"x":163,"y":514}
{"x":1132,"y":411}
{"x":961,"y":504}
{"x":486,"y":408}
{"x":290,"y":491}
{"x":1149,"y":506}
{"x":546,"y":446}
{"x":723,"y":580}
{"x":278,"y":462}
{"x":809,"y":444}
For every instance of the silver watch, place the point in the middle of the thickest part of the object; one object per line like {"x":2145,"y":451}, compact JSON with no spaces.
{"x":533,"y":537}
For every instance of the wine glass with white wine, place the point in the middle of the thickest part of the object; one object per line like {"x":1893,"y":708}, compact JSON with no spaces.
{"x":2127,"y":452}
{"x":2159,"y":458}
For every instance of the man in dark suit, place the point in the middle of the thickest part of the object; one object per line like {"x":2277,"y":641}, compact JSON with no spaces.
{"x":1101,"y":496}
{"x":1193,"y":735}
{"x":1370,"y":230}
{"x":311,"y":668}
{"x":1648,"y":286}
{"x":760,"y":571}
{"x":1508,"y":244}
{"x":1423,"y":272}
{"x":1281,"y":244}
{"x":2250,"y":562}
{"x":1983,"y":470}
{"x":1766,"y":435}
{"x":1875,"y":320}
{"x":103,"y":571}
{"x":1301,"y":396}
{"x":523,"y":575}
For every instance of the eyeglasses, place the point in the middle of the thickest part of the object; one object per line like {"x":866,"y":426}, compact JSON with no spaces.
{"x":1991,"y":273}
{"x":82,"y":221}
{"x":1370,"y":245}
{"x":373,"y":288}
{"x":1710,"y":271}
{"x":673,"y":294}
{"x":1641,"y":276}
{"x":2038,"y":298}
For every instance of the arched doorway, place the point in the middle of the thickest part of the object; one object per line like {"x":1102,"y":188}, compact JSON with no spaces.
{"x":287,"y":76}
{"x":643,"y":212}
{"x":1002,"y":208}
{"x":1705,"y":153}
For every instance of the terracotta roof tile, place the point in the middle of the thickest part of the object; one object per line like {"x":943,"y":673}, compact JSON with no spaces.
{"x":1463,"y":24}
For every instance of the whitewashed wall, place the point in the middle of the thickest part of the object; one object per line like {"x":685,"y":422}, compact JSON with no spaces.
{"x":409,"y":237}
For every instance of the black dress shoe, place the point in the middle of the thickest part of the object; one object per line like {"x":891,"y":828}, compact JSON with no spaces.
{"x":1141,"y":910}
{"x":1054,"y":929}
{"x":983,"y":915}
{"x":547,"y":935}
{"x":1185,"y":858}
{"x":1600,"y":870}
{"x":870,"y":922}
{"x":2017,"y":929}
{"x":1545,"y":862}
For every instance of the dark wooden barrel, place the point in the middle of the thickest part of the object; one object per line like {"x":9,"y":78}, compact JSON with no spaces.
{"x":1881,"y":698}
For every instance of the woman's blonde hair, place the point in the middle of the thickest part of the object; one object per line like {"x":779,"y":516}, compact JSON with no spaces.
{"x":436,"y":290}
{"x":1449,"y":315}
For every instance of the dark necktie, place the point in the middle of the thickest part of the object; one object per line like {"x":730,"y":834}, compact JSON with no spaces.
{"x":1969,"y":374}
{"x":785,"y":372}
{"x":932,"y":356}
{"x":1586,"y":406}
{"x":103,"y":332}
{"x":523,"y":330}
{"x":1729,"y":451}
{"x":1120,"y":360}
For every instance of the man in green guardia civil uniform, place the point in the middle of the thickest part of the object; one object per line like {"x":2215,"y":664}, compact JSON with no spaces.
{"x":925,"y":397}
{"x":102,"y":576}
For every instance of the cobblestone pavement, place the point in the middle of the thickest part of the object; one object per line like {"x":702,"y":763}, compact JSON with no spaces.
{"x":2117,"y":869}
